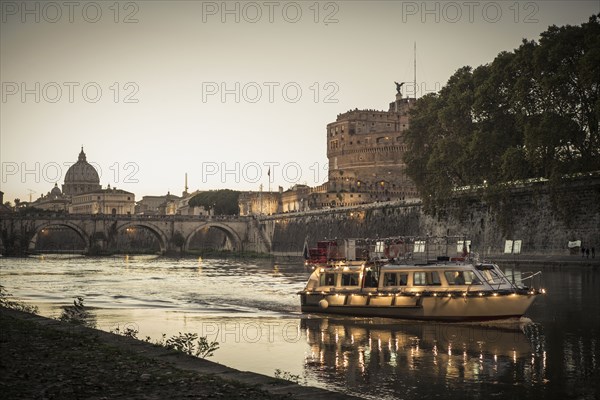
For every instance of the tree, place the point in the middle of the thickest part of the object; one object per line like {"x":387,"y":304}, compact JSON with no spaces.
{"x":530,"y":113}
{"x":223,"y":202}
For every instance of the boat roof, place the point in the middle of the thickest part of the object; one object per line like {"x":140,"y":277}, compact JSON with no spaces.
{"x":448,"y":265}
{"x":412,"y":266}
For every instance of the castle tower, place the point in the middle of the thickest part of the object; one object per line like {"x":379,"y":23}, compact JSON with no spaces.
{"x":366,"y":151}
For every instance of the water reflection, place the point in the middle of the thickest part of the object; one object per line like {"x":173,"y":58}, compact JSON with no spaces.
{"x":382,"y":358}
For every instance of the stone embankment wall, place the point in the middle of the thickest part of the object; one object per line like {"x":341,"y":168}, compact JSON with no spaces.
{"x":544,"y":219}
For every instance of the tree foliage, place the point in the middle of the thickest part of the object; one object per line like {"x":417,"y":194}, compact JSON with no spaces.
{"x":530,"y":113}
{"x":223,"y":202}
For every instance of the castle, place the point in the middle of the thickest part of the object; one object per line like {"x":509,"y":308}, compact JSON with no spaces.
{"x":366,"y":151}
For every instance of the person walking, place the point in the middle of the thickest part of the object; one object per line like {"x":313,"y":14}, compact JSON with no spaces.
{"x":582,"y":251}
{"x":593,"y":252}
{"x":587,"y":253}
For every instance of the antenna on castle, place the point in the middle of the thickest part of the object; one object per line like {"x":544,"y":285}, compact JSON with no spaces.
{"x":415,"y":66}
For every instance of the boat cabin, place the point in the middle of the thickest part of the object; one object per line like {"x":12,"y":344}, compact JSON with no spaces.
{"x":409,"y":278}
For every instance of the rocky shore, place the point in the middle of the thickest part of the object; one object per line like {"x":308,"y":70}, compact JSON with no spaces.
{"x":41,"y":358}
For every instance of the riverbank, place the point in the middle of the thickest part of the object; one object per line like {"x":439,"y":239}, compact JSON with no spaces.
{"x":42,"y":358}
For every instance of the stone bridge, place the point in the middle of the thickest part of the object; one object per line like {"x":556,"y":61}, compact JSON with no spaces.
{"x":22,"y":231}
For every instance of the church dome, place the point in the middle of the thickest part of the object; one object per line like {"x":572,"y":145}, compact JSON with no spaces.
{"x":55,"y":192}
{"x":81,"y":177}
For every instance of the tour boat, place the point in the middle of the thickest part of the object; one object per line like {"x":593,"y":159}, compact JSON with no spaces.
{"x":449,"y":289}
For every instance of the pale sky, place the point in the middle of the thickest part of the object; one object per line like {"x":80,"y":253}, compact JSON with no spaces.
{"x":224,"y":90}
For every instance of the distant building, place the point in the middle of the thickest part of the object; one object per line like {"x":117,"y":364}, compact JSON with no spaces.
{"x":169,"y":204}
{"x":169,"y":207}
{"x":297,"y":198}
{"x":3,"y":209}
{"x":157,"y":205}
{"x":260,"y":203}
{"x":83,"y":194}
{"x":111,"y":201}
{"x":81,"y":177}
{"x":54,"y":200}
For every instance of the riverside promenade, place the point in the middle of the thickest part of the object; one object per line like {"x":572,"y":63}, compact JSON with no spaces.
{"x":42,"y":358}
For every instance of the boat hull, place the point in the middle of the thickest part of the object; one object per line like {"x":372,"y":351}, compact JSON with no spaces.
{"x":438,"y":308}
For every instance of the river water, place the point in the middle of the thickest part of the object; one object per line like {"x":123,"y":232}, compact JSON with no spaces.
{"x":252,"y":310}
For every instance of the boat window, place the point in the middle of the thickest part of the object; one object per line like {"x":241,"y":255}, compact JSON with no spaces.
{"x":493,"y":276}
{"x":471,"y":278}
{"x":462,"y":278}
{"x":420,"y":279}
{"x":390,"y":279}
{"x":370,"y":279}
{"x":423,"y":278}
{"x":327,"y":279}
{"x":395,"y":279}
{"x":350,"y":279}
{"x":403,"y":279}
{"x":433,"y":278}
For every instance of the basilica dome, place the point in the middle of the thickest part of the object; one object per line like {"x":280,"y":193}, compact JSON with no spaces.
{"x":55,"y":192}
{"x":81,"y":177}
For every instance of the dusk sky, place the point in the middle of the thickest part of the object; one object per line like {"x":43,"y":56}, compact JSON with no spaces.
{"x":224,"y":91}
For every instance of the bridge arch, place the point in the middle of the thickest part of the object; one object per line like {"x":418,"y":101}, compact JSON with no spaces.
{"x":231,"y":234}
{"x":159,"y":233}
{"x":77,"y":229}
